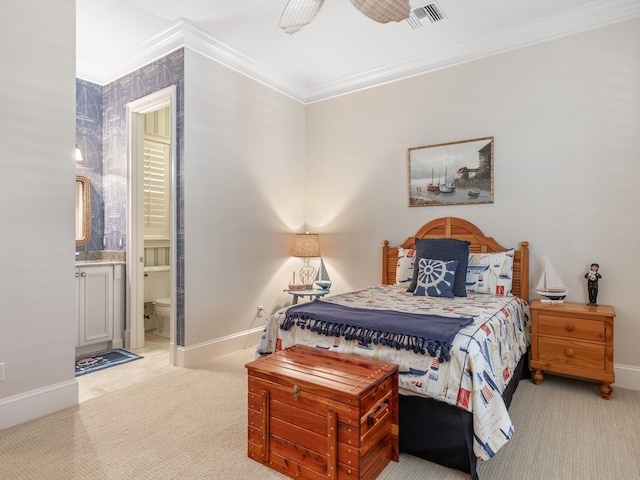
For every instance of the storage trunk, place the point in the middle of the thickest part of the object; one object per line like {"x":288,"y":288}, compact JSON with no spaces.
{"x":315,"y":414}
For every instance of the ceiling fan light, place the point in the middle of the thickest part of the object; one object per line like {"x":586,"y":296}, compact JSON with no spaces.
{"x":384,"y":11}
{"x":299,"y":13}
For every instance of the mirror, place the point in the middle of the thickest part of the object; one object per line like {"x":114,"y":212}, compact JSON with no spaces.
{"x":83,"y":209}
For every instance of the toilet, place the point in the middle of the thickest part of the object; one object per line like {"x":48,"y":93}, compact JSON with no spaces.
{"x":157,"y":300}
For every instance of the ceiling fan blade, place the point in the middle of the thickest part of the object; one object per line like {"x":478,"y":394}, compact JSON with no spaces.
{"x":384,"y":11}
{"x":299,"y":13}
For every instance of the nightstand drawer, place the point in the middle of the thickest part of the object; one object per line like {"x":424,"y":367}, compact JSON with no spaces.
{"x":577,"y":354}
{"x":568,"y":327}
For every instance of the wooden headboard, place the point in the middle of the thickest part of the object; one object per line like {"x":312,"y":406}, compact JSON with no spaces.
{"x":451,"y":227}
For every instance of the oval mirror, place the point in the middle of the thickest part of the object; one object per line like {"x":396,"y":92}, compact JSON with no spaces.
{"x":83,"y":210}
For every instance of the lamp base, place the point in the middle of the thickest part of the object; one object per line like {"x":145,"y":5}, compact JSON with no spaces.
{"x":307,"y":275}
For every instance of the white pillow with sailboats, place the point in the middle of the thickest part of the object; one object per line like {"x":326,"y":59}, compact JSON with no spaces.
{"x":405,"y":266}
{"x":490,"y":273}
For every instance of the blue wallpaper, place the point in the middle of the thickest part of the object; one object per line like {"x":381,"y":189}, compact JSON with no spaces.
{"x":102,"y":138}
{"x":89,"y":140}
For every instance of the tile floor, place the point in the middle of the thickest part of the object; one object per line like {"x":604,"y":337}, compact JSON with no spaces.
{"x":155,"y":361}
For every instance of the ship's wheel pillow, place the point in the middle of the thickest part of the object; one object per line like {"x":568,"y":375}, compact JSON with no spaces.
{"x":445,"y":249}
{"x":436,"y":278}
{"x":404,"y":268}
{"x":490,"y":273}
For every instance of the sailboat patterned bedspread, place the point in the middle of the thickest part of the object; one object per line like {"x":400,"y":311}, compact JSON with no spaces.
{"x":484,"y":354}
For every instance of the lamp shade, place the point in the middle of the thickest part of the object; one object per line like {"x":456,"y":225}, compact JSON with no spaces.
{"x":306,"y":245}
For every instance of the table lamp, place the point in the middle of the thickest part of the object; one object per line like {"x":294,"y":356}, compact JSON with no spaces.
{"x":306,"y":245}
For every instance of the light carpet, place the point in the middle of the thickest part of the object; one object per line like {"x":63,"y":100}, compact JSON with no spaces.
{"x":191,"y":424}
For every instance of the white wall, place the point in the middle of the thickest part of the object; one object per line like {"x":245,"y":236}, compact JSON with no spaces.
{"x":565,"y":116}
{"x":37,"y":140}
{"x":244,"y":170}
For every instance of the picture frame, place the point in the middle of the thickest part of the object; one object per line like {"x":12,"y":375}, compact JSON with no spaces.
{"x":454,"y":173}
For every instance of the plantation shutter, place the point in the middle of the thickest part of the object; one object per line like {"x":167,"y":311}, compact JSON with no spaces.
{"x":157,"y":193}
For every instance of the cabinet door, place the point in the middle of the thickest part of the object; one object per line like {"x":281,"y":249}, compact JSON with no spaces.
{"x":95,"y":304}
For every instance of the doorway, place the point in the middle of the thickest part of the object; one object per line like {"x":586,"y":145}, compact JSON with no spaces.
{"x":135,"y":252}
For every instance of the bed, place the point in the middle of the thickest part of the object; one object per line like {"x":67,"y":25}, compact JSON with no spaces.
{"x":456,"y":381}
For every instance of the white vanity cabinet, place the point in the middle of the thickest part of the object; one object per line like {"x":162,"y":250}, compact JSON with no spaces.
{"x":100,"y":306}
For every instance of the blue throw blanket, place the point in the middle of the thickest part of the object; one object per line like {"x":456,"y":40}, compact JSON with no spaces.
{"x":432,"y":334}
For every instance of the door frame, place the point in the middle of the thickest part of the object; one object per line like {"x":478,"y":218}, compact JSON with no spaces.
{"x":134,"y":329}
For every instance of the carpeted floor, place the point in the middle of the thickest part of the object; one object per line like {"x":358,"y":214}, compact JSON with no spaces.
{"x":191,"y":424}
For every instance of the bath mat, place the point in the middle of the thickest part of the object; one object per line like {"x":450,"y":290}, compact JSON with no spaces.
{"x":100,"y":361}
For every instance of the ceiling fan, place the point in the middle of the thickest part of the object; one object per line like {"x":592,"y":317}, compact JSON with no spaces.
{"x":299,"y":13}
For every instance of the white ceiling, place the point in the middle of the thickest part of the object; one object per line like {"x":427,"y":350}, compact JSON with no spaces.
{"x":340,"y":51}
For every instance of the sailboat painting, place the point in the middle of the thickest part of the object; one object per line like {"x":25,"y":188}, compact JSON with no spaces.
{"x":468,"y":173}
{"x":322,"y":278}
{"x":551,"y":285}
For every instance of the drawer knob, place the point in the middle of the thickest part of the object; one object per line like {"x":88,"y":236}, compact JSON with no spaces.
{"x":569,"y":352}
{"x":570,"y":327}
{"x":296,"y":392}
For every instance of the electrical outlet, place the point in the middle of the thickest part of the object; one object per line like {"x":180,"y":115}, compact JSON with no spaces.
{"x":260,"y":308}
{"x":2,"y":372}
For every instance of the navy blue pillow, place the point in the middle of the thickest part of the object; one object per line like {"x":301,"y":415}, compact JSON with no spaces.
{"x":436,"y":277}
{"x":445,"y":249}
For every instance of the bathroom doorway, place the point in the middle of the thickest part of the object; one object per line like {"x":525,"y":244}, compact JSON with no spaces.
{"x":147,"y":107}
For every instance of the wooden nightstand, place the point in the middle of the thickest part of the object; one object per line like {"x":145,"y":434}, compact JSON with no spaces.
{"x":573,"y":339}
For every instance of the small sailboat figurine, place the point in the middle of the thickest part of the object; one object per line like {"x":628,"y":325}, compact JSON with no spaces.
{"x":322,"y":278}
{"x":551,"y":285}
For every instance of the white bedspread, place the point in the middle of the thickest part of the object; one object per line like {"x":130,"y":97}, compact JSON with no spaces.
{"x":484,"y":354}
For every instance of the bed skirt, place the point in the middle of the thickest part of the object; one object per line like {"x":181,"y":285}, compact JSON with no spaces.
{"x":443,"y":433}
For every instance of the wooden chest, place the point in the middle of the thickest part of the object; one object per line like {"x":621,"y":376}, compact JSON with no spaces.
{"x":315,"y":414}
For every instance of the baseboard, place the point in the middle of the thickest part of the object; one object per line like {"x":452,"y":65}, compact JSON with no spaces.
{"x":37,"y":403}
{"x":194,"y":355}
{"x":627,"y":376}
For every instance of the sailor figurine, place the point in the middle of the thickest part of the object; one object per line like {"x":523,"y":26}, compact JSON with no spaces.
{"x":592,"y":277}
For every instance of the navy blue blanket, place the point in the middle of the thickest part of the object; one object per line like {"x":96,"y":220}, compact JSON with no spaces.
{"x":422,"y":333}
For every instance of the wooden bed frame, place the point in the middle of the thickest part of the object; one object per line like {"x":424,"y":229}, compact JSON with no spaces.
{"x":451,"y":227}
{"x":434,"y":430}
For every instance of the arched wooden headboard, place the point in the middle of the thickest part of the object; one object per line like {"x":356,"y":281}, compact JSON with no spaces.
{"x":451,"y":227}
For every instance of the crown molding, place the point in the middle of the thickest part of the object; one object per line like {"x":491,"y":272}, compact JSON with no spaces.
{"x":183,"y":33}
{"x":205,"y":44}
{"x":117,"y":66}
{"x":568,"y":23}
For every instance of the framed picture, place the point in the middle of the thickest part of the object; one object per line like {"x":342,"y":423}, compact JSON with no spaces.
{"x":455,"y":173}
